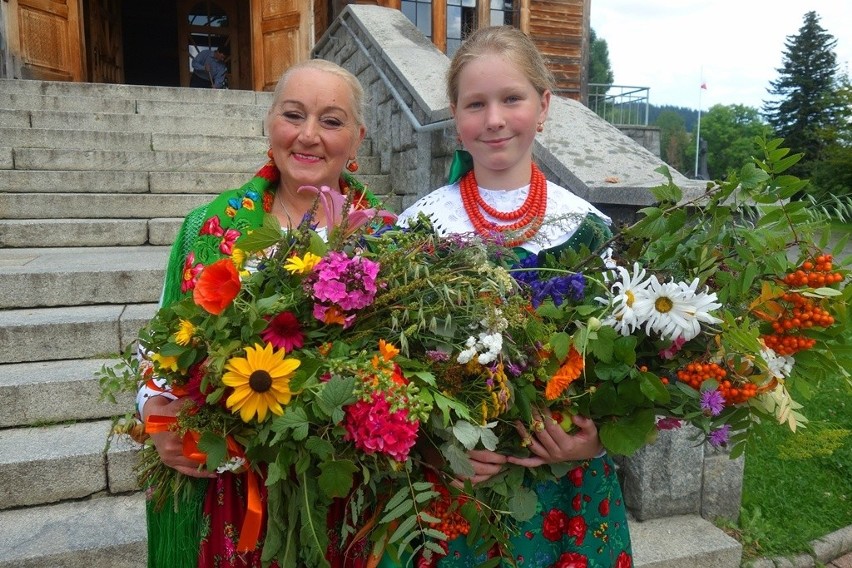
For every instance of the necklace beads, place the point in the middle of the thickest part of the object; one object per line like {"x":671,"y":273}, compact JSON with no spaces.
{"x":529,"y":216}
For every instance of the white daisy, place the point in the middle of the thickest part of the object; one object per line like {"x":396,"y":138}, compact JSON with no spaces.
{"x":675,"y":310}
{"x":626,"y":292}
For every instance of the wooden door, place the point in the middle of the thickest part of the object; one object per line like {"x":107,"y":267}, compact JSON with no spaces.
{"x":105,"y":45}
{"x":209,"y":24}
{"x":277,"y":38}
{"x":46,"y":40}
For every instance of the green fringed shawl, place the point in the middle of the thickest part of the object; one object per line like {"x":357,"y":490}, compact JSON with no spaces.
{"x":175,"y":531}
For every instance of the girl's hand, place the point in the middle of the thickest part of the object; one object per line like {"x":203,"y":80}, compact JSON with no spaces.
{"x":486,"y":464}
{"x":169,"y":445}
{"x":549,"y":443}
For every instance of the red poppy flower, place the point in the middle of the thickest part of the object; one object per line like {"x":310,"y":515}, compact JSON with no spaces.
{"x":624,"y":561}
{"x":603,"y":507}
{"x":217,"y":286}
{"x":284,"y":332}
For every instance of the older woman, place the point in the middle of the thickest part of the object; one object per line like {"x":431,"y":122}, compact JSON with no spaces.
{"x":315,"y":126}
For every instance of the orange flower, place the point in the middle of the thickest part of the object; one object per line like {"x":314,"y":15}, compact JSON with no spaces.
{"x":217,"y":286}
{"x":388,"y":350}
{"x":567,"y":373}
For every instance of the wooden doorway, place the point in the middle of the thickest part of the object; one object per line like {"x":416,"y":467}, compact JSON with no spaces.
{"x":45,"y":40}
{"x":104,"y":41}
{"x":208,"y":24}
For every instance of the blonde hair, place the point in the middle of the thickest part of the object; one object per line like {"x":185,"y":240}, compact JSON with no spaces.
{"x":509,"y":42}
{"x":355,"y":88}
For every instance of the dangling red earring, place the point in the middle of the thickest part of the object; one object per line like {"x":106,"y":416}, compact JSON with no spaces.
{"x":270,"y":155}
{"x":539,"y":127}
{"x":352,"y":166}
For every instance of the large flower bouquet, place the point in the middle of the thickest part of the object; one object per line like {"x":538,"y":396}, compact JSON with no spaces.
{"x":355,"y":371}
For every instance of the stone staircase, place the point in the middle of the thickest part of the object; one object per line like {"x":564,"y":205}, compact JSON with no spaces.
{"x":94,"y":181}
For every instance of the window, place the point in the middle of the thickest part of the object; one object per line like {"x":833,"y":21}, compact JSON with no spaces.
{"x":461,"y":21}
{"x":420,"y":13}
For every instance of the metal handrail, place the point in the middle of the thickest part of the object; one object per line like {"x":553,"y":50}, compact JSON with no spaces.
{"x":621,"y":105}
{"x":415,"y":124}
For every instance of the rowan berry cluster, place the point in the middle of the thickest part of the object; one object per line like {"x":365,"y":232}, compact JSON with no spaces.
{"x":800,"y":312}
{"x":734,"y":391}
{"x":446,"y":508}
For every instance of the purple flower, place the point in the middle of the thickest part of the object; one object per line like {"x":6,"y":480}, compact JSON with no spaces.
{"x":712,"y":402}
{"x":437,"y":356}
{"x":719,"y":437}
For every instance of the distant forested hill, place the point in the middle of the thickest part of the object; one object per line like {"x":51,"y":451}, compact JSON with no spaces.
{"x":690,"y":115}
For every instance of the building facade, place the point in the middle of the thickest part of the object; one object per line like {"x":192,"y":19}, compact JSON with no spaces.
{"x":152,"y":42}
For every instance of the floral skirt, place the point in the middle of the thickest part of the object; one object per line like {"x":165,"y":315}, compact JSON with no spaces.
{"x":581,"y":522}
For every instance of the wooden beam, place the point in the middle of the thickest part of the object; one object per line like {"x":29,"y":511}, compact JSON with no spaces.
{"x":524,"y":17}
{"x":483,"y":14}
{"x":439,"y":25}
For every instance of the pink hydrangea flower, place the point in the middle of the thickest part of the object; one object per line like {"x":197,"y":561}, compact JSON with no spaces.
{"x":375,"y":429}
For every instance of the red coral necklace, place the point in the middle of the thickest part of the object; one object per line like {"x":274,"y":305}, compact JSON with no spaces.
{"x":529,"y":216}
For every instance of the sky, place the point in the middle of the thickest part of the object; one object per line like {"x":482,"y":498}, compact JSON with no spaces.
{"x":733,"y":46}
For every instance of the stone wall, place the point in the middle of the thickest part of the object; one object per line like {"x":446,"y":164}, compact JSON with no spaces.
{"x":410,"y":126}
{"x":408,"y":120}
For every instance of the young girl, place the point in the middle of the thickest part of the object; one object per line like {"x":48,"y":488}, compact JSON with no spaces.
{"x":499,"y":90}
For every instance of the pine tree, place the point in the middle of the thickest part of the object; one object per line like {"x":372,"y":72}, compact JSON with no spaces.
{"x":600,"y":70}
{"x":806,"y":108}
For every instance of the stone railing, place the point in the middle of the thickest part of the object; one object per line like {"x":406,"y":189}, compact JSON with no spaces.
{"x":410,"y":125}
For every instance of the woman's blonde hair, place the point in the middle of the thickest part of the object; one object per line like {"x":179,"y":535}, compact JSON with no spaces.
{"x":355,"y":88}
{"x":509,"y":42}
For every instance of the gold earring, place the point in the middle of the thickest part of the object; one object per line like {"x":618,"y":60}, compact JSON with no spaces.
{"x":352,"y":166}
{"x":271,"y":156}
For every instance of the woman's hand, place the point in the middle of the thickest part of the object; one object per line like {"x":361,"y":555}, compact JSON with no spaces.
{"x":169,"y":444}
{"x":549,"y":443}
{"x":486,"y":464}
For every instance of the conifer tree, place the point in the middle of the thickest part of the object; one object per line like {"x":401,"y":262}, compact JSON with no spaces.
{"x":805,"y":109}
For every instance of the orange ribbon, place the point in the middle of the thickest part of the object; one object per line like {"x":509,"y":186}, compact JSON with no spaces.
{"x":157,"y":423}
{"x":250,"y":532}
{"x":254,"y":515}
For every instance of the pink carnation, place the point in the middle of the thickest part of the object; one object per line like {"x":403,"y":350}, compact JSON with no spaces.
{"x":374,"y":428}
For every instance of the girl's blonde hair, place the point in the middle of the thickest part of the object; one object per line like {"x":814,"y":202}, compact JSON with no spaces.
{"x":511,"y":43}
{"x":351,"y":81}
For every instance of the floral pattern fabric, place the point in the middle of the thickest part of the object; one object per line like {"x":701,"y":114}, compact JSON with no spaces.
{"x":581,"y":522}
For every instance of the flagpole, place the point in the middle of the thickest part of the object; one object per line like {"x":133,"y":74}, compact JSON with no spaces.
{"x":698,"y":126}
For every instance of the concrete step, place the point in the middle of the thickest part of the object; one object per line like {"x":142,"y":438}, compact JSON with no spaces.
{"x":48,"y":464}
{"x":118,"y":181}
{"x":72,"y":159}
{"x":135,"y":92}
{"x":29,"y":233}
{"x":222,"y":126}
{"x":28,"y":393}
{"x":31,"y":278}
{"x":220,"y":160}
{"x":209,"y":110}
{"x":30,"y":101}
{"x":75,"y":332}
{"x":686,"y":541}
{"x":98,"y":206}
{"x":26,"y":233}
{"x":104,"y":532}
{"x":129,"y":141}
